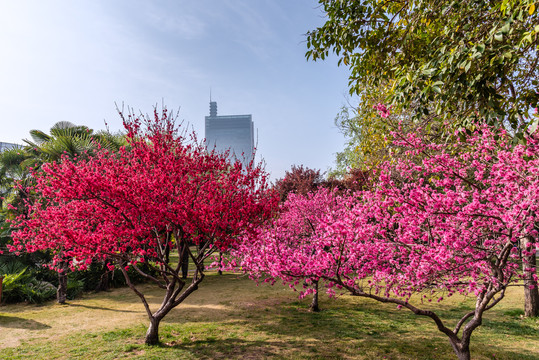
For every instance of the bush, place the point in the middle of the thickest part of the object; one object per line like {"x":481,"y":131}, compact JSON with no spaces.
{"x":20,"y":283}
{"x":37,"y":291}
{"x":74,"y":288}
{"x":91,"y":278}
{"x":13,"y":286}
{"x":10,"y":265}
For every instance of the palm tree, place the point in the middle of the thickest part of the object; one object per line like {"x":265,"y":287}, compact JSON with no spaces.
{"x":66,"y":138}
{"x":13,"y":167}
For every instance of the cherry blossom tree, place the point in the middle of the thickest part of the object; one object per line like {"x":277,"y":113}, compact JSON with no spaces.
{"x":162,"y":189}
{"x":436,"y":222}
{"x":304,"y":182}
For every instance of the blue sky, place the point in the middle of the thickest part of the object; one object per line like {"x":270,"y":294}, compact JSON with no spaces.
{"x":73,"y":60}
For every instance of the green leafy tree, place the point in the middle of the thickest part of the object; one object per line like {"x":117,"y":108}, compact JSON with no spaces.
{"x":464,"y":60}
{"x":369,"y":136}
{"x":13,"y":168}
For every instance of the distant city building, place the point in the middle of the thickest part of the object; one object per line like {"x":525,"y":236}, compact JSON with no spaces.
{"x":234,"y":133}
{"x":7,"y":146}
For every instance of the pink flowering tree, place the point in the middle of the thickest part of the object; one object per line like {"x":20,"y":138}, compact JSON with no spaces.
{"x":300,"y":220}
{"x":437,"y":222}
{"x":163,"y":189}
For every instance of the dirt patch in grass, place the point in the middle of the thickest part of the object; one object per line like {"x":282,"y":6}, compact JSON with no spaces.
{"x":122,"y":308}
{"x":52,"y":320}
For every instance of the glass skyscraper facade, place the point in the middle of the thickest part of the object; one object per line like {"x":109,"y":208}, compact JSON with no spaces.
{"x":7,"y":146}
{"x":233,"y":133}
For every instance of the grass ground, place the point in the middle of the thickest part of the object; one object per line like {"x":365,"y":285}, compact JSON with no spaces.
{"x":230,"y":317}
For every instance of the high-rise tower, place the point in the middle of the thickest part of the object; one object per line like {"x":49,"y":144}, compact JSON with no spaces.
{"x":234,"y":133}
{"x":8,"y":146}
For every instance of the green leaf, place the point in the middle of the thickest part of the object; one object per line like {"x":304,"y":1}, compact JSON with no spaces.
{"x":533,"y":126}
{"x":528,"y":38}
{"x":498,"y":37}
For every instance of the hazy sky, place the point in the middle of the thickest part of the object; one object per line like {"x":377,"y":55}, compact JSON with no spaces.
{"x":73,"y":60}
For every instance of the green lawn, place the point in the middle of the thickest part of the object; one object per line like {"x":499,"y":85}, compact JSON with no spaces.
{"x":230,"y":317}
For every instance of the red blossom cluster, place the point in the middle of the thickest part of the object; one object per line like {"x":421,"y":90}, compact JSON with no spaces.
{"x":163,"y":191}
{"x":118,"y":205}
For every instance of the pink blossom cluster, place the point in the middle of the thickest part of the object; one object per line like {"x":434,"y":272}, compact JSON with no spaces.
{"x":382,"y":110}
{"x":446,"y":218}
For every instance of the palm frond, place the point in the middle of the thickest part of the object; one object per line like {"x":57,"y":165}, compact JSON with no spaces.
{"x":62,"y":125}
{"x":66,"y":128}
{"x":109,"y":141}
{"x":38,"y":136}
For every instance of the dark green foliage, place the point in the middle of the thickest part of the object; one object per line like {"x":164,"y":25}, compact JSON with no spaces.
{"x":10,"y":265}
{"x":74,"y":288}
{"x":20,"y":285}
{"x":92,"y":277}
{"x":37,"y":292}
{"x":27,"y":280}
{"x":24,"y":281}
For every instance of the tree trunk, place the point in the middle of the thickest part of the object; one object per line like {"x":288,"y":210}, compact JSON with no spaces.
{"x":1,"y":281}
{"x":185,"y":264}
{"x":462,"y":349}
{"x":152,"y":335}
{"x":167,"y":253}
{"x":314,"y":304}
{"x":531,"y":293}
{"x":104,"y":280}
{"x":220,"y":272}
{"x":61,"y":293}
{"x":199,"y":247}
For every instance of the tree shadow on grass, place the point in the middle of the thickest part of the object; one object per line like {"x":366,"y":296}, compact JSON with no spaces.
{"x":101,"y":308}
{"x":369,"y":329}
{"x":511,"y":328}
{"x":14,"y":322}
{"x":229,"y":348}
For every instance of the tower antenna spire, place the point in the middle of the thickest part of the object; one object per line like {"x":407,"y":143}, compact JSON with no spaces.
{"x":213,"y":107}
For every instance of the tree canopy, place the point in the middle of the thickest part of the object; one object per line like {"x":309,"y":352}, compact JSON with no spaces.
{"x":436,"y":222}
{"x":163,"y":190}
{"x":449,"y":59}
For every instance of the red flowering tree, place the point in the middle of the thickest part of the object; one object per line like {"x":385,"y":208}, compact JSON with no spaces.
{"x":438,"y":221}
{"x":163,"y":189}
{"x":299,"y":180}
